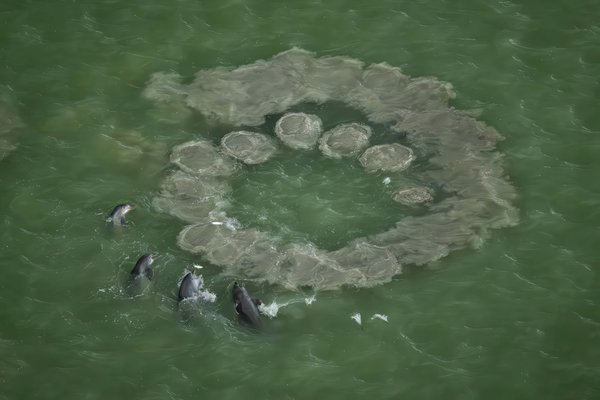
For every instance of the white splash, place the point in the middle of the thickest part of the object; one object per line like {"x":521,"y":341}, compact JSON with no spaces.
{"x":207,"y":296}
{"x":221,"y":218}
{"x":386,"y":180}
{"x":356,"y":317}
{"x":382,"y":317}
{"x":270,"y":310}
{"x":201,"y":292}
{"x":310,"y":300}
{"x":232,"y":224}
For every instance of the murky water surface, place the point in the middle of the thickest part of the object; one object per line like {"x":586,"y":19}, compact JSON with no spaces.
{"x":516,"y":317}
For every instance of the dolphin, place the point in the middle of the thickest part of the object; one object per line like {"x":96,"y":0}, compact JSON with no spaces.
{"x":190,"y":286}
{"x":117,"y":215}
{"x":141,"y":274}
{"x":245,"y":306}
{"x":142,"y":266}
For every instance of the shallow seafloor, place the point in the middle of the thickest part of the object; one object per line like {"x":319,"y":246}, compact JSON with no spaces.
{"x":518,"y":317}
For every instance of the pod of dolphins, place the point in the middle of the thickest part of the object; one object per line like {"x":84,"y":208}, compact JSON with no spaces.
{"x":245,"y":306}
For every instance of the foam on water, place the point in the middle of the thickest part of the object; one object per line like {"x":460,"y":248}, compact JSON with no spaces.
{"x":207,"y":296}
{"x":202,"y":294}
{"x":357,"y":318}
{"x":271,"y":310}
{"x":382,"y":317}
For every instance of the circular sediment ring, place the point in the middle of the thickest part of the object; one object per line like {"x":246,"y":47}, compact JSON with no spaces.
{"x":299,"y":130}
{"x":200,"y":157}
{"x":387,"y":158}
{"x":412,"y":196}
{"x":345,"y":140}
{"x":457,"y":154}
{"x":248,"y":147}
{"x":191,"y":198}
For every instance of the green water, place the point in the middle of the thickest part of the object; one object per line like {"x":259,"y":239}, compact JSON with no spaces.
{"x":517,"y":318}
{"x":308,"y":197}
{"x":302,"y":195}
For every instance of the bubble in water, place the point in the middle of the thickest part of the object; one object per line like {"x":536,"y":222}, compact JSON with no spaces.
{"x":345,"y":140}
{"x":200,"y":157}
{"x":387,"y":157}
{"x":249,"y":147}
{"x":413,"y":196}
{"x":299,"y":130}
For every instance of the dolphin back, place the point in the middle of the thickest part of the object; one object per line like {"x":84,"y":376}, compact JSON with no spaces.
{"x":189,"y":286}
{"x":185,"y":289}
{"x":245,"y":306}
{"x":142,"y":267}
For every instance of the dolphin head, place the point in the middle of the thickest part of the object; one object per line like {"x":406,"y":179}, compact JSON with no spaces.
{"x":117,"y":215}
{"x":125,"y":208}
{"x":148,"y":258}
{"x":236,"y":291}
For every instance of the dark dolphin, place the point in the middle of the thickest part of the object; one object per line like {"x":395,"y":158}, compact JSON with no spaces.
{"x":142,"y":266}
{"x":245,"y":306}
{"x":117,"y":215}
{"x":190,"y":286}
{"x":141,"y":274}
